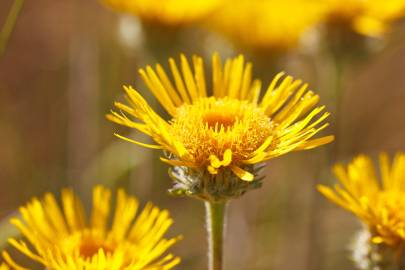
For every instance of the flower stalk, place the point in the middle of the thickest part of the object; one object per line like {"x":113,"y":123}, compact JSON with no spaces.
{"x":215,"y":218}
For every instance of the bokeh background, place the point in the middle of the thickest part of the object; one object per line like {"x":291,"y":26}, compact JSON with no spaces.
{"x":65,"y":64}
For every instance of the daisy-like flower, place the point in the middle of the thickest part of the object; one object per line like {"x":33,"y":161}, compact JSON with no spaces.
{"x":379,"y":202}
{"x":220,"y":131}
{"x":367,"y":17}
{"x":269,"y":24}
{"x":167,"y":12}
{"x":63,"y":239}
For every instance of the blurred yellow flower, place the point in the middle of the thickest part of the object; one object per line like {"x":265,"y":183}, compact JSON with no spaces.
{"x":267,"y":24}
{"x":4,"y":267}
{"x":368,"y":17}
{"x":380,"y":204}
{"x":64,"y":240}
{"x":166,"y":12}
{"x":226,"y":125}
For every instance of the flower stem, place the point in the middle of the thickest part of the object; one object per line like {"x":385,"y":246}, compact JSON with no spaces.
{"x":215,"y":218}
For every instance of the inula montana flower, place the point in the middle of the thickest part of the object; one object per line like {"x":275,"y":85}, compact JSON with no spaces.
{"x":63,"y":239}
{"x":220,"y":130}
{"x":270,"y":24}
{"x":167,"y":12}
{"x":368,"y":17}
{"x":379,"y":202}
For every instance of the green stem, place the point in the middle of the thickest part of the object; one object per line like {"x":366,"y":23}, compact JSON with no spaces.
{"x":9,"y":24}
{"x":215,"y":218}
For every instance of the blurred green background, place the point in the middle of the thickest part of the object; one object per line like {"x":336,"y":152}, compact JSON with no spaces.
{"x":65,"y":64}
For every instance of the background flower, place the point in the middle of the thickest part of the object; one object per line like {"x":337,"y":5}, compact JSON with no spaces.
{"x":267,"y":25}
{"x":167,"y":12}
{"x":369,"y":17}
{"x":64,"y":239}
{"x":380,"y":204}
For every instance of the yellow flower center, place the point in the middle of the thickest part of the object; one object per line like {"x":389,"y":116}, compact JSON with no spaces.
{"x":213,"y":119}
{"x":87,"y":243}
{"x":90,"y":247}
{"x":210,"y":126}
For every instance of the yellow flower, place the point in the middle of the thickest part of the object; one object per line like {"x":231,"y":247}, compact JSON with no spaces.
{"x":4,"y":267}
{"x":368,"y":17}
{"x":65,"y":240}
{"x":380,"y":204}
{"x":166,"y":12}
{"x":225,"y":125}
{"x":267,"y":24}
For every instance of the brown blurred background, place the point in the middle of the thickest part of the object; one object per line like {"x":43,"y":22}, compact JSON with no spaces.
{"x":65,"y":64}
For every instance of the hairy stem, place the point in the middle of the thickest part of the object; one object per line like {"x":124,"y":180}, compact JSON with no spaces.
{"x":215,"y":218}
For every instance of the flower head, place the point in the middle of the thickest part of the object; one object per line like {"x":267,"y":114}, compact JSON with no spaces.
{"x":368,"y":17}
{"x":223,"y":133}
{"x":64,"y":239}
{"x":380,"y":204}
{"x":167,"y":12}
{"x":267,"y":24}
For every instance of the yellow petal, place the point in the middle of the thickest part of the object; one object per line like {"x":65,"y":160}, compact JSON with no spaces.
{"x":227,"y":159}
{"x":242,"y":174}
{"x":212,"y":170}
{"x":153,"y":146}
{"x":215,"y":162}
